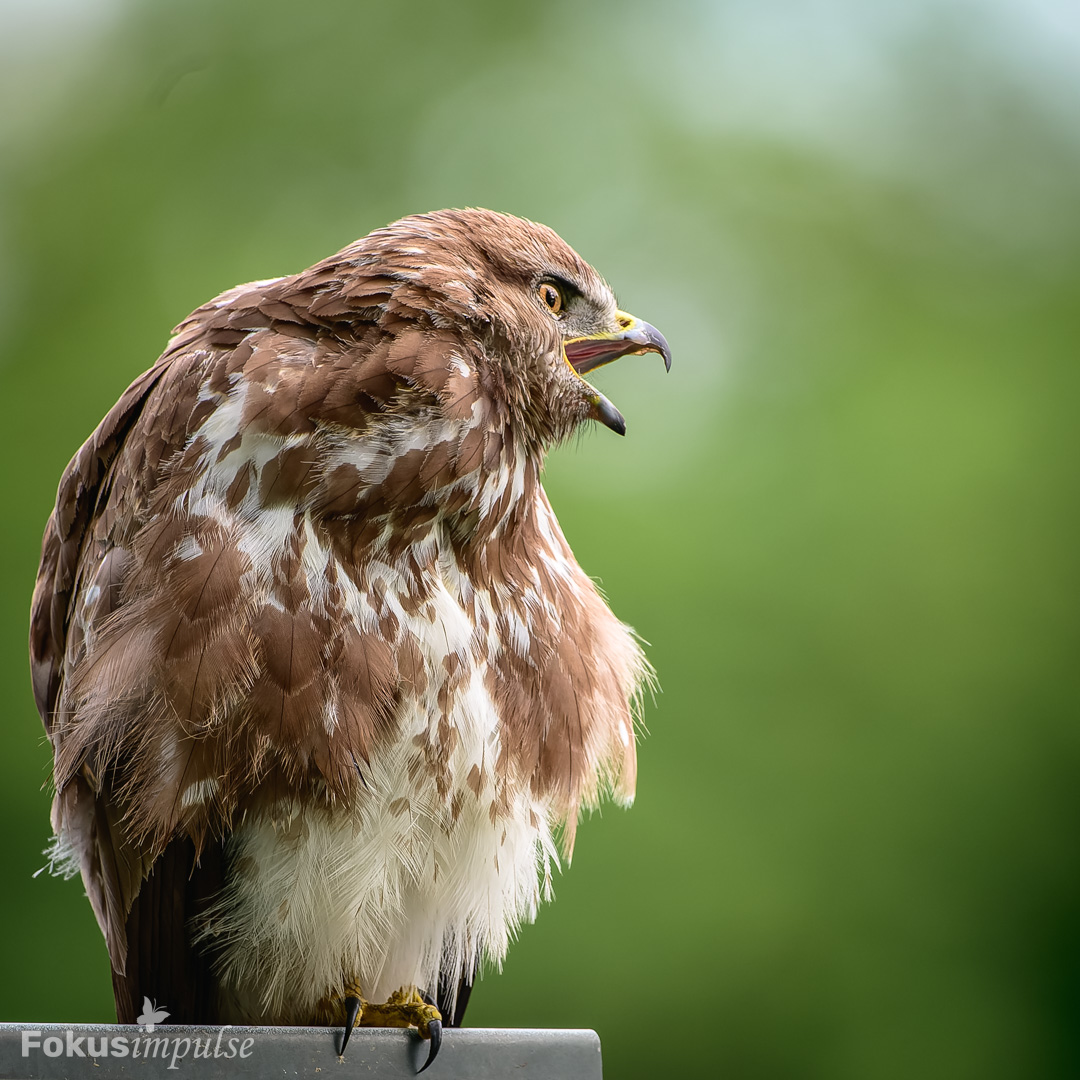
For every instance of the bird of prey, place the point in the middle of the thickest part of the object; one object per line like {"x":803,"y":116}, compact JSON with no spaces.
{"x":322,"y":677}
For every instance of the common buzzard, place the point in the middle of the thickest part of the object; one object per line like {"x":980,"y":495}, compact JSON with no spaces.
{"x":322,"y":677}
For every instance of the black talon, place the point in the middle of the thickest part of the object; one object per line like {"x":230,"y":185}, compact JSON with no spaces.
{"x":352,"y":1010}
{"x":435,"y":1027}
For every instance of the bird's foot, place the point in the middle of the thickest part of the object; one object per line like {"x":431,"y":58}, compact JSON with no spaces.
{"x":405,"y":1008}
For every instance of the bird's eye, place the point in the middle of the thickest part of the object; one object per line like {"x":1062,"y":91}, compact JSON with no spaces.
{"x":550,"y":296}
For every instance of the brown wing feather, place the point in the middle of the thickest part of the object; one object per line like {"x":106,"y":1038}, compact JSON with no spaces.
{"x":83,"y":490}
{"x":111,"y":872}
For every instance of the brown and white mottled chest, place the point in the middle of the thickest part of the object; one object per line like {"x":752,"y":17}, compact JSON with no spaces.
{"x":383,"y":585}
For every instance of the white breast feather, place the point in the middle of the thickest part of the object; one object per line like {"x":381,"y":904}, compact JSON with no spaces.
{"x":392,"y":889}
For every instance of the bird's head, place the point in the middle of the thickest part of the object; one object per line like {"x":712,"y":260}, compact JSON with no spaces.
{"x":544,"y":317}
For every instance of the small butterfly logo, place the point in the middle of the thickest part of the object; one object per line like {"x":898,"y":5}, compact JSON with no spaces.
{"x":150,"y":1015}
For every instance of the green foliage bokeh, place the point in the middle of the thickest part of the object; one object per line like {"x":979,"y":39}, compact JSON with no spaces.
{"x":846,"y":521}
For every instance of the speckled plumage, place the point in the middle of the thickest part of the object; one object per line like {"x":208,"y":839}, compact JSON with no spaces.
{"x":321,"y":673}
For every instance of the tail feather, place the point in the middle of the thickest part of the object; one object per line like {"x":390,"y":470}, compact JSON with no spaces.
{"x":162,"y":964}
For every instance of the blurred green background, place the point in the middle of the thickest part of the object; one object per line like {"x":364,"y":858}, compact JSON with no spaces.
{"x":846,"y":521}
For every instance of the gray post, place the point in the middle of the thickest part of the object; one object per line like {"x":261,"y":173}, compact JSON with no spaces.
{"x":112,"y":1051}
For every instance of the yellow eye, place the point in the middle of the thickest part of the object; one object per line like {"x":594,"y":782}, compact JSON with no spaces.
{"x":551,"y":297}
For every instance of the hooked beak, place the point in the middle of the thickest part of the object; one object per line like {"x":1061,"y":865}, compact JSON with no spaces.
{"x":586,"y":354}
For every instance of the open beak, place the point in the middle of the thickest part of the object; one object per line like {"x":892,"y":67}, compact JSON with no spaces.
{"x":586,"y":354}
